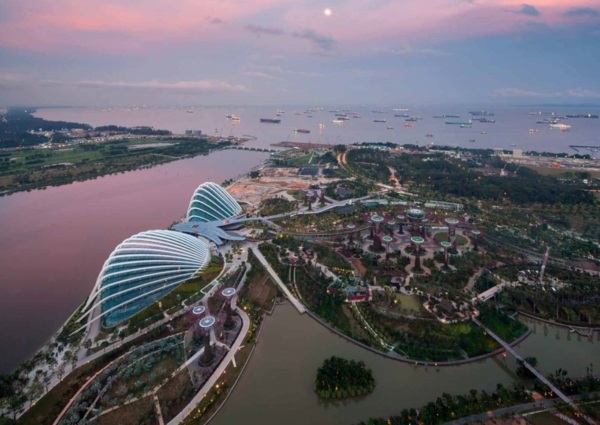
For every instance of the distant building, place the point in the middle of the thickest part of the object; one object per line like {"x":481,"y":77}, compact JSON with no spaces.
{"x":444,"y":205}
{"x":343,"y":191}
{"x":517,"y":153}
{"x":193,"y":133}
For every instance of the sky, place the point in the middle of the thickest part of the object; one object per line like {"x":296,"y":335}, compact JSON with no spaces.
{"x":268,"y":52}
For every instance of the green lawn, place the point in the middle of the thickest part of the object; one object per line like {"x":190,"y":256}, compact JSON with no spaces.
{"x":410,"y":302}
{"x":443,"y":236}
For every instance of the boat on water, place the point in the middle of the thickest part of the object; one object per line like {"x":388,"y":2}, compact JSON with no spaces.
{"x":235,"y":118}
{"x":561,"y":127}
{"x":534,"y":130}
{"x":481,"y":113}
{"x":465,"y":126}
{"x":401,"y":115}
{"x":408,"y":125}
{"x":379,"y":121}
{"x":485,"y":120}
{"x":447,"y":116}
{"x":513,"y":144}
{"x":390,"y":128}
{"x":302,"y":130}
{"x":461,"y":123}
{"x":271,"y":120}
{"x":472,"y":140}
{"x":429,"y":135}
{"x":483,"y":132}
{"x":412,"y":119}
{"x":400,"y":109}
{"x":581,"y":116}
{"x":377,"y":111}
{"x":190,"y":111}
{"x":338,"y":121}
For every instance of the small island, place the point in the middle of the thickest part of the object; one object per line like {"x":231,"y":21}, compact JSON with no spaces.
{"x":341,"y":378}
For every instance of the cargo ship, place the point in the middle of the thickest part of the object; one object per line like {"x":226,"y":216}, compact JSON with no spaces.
{"x":581,"y":116}
{"x":271,"y":120}
{"x":301,"y":130}
{"x":459,"y":123}
{"x":481,"y":113}
{"x":379,"y":121}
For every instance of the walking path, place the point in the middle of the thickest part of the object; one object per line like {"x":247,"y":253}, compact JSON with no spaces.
{"x":81,"y":352}
{"x":216,"y":375}
{"x":299,"y":306}
{"x":542,"y":405}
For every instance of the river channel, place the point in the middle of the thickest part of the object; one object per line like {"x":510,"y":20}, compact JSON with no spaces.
{"x":277,"y":385}
{"x":53,"y":242}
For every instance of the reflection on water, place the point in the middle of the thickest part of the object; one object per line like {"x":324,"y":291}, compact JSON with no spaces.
{"x":277,"y":385}
{"x":53,"y":242}
{"x":556,"y":347}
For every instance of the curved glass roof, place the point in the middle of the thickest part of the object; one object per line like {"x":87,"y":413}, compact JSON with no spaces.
{"x":143,"y":269}
{"x":210,"y":202}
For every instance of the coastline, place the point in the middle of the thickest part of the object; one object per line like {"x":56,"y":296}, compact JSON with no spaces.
{"x":575,"y":328}
{"x":416,"y":362}
{"x":86,"y":177}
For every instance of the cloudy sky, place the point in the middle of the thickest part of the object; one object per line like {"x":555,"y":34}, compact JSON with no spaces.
{"x":202,"y":52}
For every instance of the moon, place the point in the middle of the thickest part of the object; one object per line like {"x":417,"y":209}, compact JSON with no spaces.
{"x":327,"y":12}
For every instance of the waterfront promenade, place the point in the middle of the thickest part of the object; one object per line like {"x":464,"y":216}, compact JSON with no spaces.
{"x":216,"y":375}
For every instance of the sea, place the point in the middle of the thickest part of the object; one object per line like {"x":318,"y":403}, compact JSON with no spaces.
{"x":511,"y":129}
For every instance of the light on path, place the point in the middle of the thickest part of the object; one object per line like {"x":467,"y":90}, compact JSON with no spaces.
{"x":327,"y":12}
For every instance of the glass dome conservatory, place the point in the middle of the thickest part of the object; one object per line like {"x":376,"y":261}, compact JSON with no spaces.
{"x":210,"y":202}
{"x":142,"y":270}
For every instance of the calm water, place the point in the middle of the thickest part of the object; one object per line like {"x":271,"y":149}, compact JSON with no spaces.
{"x":511,"y":125}
{"x":276,"y":386}
{"x":53,"y":242}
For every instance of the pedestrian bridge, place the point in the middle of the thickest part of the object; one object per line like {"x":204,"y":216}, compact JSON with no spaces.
{"x":533,"y":370}
{"x":299,"y":306}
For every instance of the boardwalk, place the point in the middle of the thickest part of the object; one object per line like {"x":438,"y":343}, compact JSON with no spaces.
{"x":299,"y":306}
{"x":533,"y":370}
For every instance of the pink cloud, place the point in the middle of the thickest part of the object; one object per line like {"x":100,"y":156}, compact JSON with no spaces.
{"x":105,"y":24}
{"x":119,"y":25}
